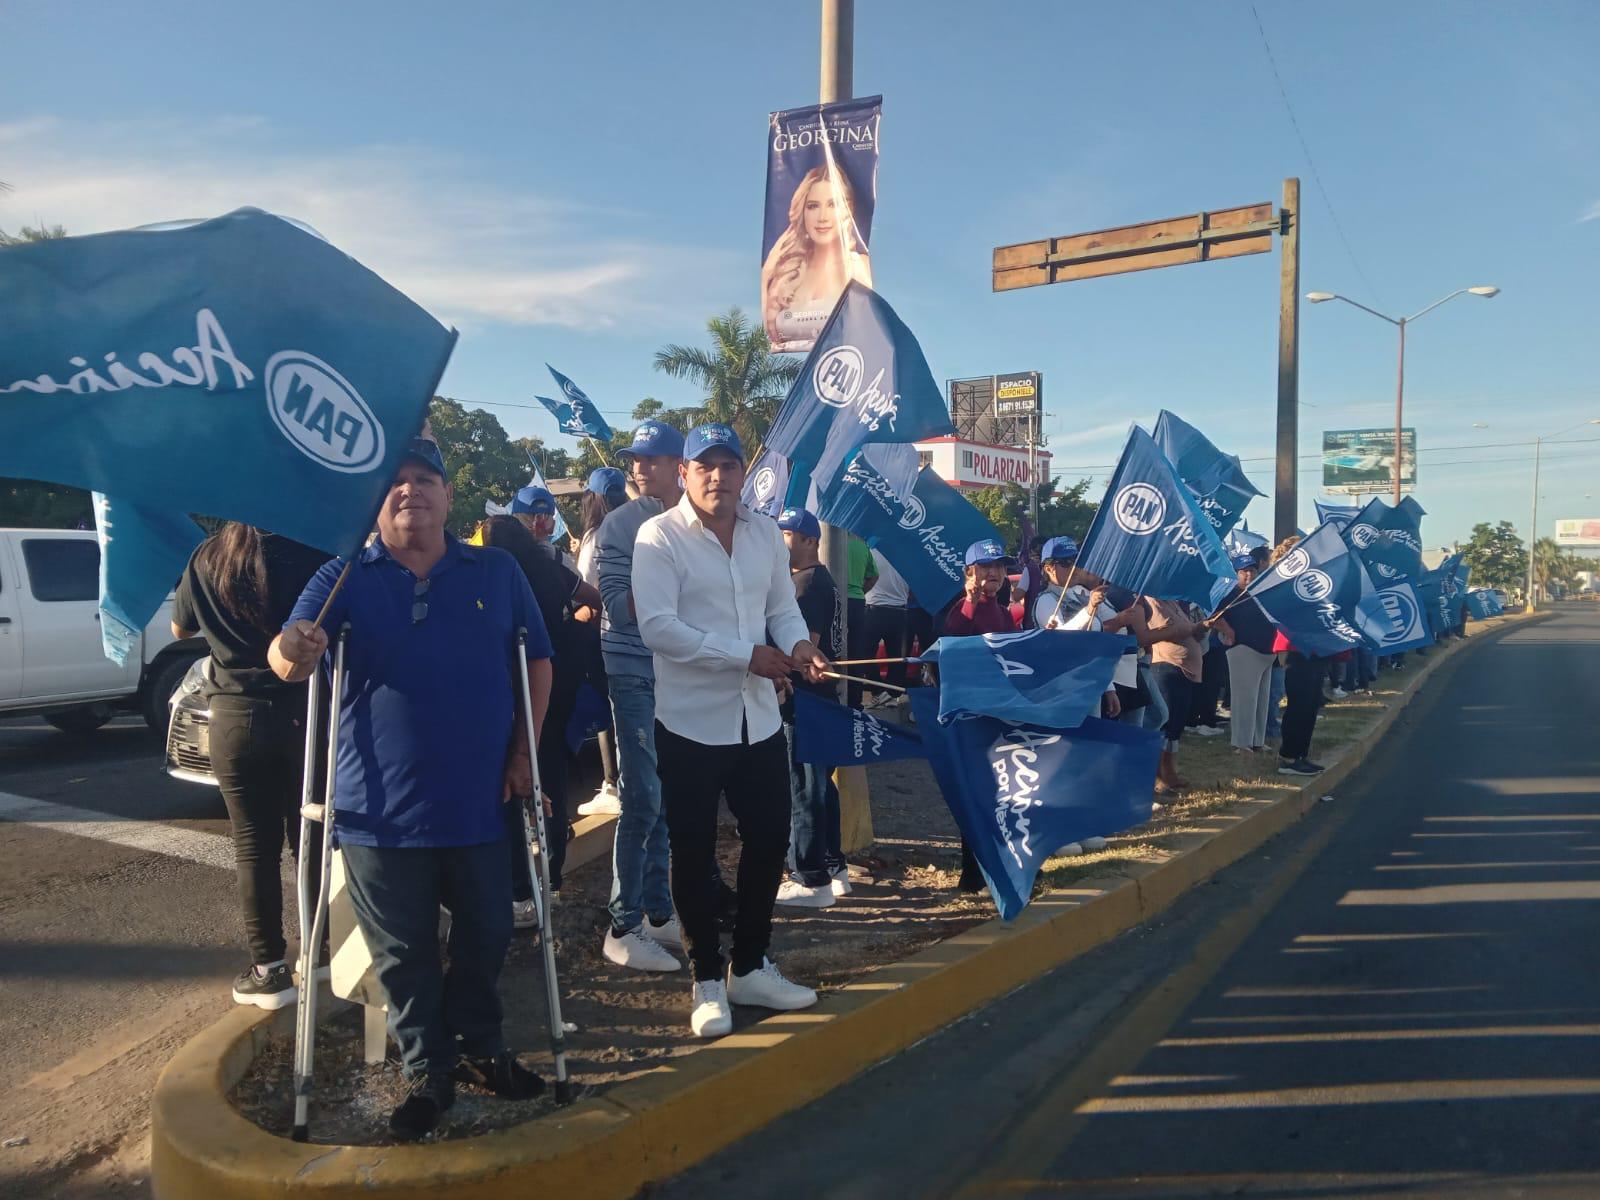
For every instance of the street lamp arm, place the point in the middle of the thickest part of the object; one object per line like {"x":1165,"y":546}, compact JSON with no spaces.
{"x":1364,"y":308}
{"x":1436,"y":303}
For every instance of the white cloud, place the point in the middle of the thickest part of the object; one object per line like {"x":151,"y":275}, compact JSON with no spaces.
{"x":471,"y":252}
{"x":1593,"y":214}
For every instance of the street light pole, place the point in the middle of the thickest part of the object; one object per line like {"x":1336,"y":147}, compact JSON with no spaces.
{"x":1533,"y":529}
{"x":1486,"y":291}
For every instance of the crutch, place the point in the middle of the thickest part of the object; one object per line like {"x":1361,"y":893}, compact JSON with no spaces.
{"x":540,"y":872}
{"x":314,"y":917}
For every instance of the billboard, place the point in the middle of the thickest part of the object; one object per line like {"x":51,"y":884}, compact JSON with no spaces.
{"x":1361,"y":461}
{"x":1581,"y":531}
{"x":822,"y":187}
{"x":968,"y":464}
{"x":1018,"y":395}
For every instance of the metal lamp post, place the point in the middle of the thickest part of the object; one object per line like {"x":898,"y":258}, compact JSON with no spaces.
{"x":1401,"y":322}
{"x":1533,"y":528}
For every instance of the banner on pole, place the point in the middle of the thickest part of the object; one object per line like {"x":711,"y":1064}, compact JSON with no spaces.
{"x":822,"y":187}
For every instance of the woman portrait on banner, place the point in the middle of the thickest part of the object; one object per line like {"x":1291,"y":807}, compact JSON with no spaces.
{"x":806,"y":270}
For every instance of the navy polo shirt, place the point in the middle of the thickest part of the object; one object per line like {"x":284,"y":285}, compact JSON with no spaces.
{"x":429,"y":705}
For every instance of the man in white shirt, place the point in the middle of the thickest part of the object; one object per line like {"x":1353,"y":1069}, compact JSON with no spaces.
{"x":711,"y":585}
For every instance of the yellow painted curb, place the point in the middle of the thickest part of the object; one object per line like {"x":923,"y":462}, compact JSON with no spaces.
{"x":609,"y":1147}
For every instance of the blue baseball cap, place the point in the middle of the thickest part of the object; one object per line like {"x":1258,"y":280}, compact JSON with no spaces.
{"x":606,"y":479}
{"x":655,"y":438}
{"x":535,"y":501}
{"x":1059,"y":548}
{"x":985,"y":552}
{"x":1245,"y":562}
{"x":798,"y":520}
{"x":426,"y":451}
{"x":712,"y":437}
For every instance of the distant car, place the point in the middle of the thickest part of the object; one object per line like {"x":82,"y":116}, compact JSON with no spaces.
{"x":189,"y":727}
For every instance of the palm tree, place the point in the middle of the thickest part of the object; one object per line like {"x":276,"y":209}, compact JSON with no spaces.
{"x":743,"y":380}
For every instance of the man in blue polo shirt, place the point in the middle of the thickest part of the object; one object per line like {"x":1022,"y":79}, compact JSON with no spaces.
{"x":430,"y":746}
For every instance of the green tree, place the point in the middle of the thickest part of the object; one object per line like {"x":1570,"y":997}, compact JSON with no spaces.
{"x":1060,"y":512}
{"x":1496,"y":554}
{"x":483,"y":462}
{"x":32,"y":233}
{"x":743,"y":380}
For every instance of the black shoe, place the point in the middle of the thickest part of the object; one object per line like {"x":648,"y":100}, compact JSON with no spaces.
{"x":273,"y":990}
{"x":501,"y":1074}
{"x":971,"y":881}
{"x":418,"y":1114}
{"x":1298,"y":766}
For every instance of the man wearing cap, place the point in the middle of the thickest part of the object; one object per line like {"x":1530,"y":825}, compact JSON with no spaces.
{"x":818,"y":871}
{"x":711,"y":586}
{"x":430,"y":747}
{"x":1084,"y":606}
{"x":535,"y":507}
{"x":642,"y":925}
{"x":605,"y":491}
{"x":979,"y":611}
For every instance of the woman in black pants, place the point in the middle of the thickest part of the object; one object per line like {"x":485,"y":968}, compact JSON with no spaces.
{"x":1302,"y":689}
{"x":238,"y":590}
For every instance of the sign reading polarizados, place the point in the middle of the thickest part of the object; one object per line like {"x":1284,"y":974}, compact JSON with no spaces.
{"x":822,"y":188}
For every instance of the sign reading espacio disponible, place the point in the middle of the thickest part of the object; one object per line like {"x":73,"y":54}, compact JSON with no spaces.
{"x":1578,"y":532}
{"x":822,"y":187}
{"x":966,"y":464}
{"x":1019,"y":394}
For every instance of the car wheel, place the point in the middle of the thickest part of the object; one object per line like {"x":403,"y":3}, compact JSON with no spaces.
{"x":80,"y":720}
{"x":156,"y":702}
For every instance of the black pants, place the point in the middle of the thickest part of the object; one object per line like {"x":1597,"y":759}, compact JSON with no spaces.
{"x":755,"y":780}
{"x":919,"y":629}
{"x":855,"y":644}
{"x":257,"y":755}
{"x":435,"y":1013}
{"x":1204,"y":696}
{"x":1176,"y":689}
{"x":886,"y":623}
{"x":1302,"y":688}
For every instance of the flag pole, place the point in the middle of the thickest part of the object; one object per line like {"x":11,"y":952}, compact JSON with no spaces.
{"x":337,"y":584}
{"x":872,"y":683}
{"x":1071,"y":571}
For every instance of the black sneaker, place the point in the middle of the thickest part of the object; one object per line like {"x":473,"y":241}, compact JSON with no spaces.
{"x":273,"y":990}
{"x":501,"y":1074}
{"x":1299,"y":766}
{"x":418,"y":1114}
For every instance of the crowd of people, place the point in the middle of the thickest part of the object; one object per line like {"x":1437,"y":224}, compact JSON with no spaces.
{"x":694,"y":621}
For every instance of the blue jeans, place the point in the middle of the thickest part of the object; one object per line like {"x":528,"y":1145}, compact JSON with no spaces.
{"x":814,"y":852}
{"x":639,"y":853}
{"x":1275,"y":704}
{"x":1154,"y":714}
{"x":1367,"y":661}
{"x":396,"y":894}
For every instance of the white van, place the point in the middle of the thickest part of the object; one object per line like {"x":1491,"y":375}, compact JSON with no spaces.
{"x":51,"y":661}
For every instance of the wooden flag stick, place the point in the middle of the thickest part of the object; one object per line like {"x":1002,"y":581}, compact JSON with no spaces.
{"x":1071,"y":571}
{"x":337,"y":584}
{"x":867,"y":662}
{"x":871,"y":683}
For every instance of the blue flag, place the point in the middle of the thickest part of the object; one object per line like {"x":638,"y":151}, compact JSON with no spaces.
{"x":143,"y":550}
{"x":1337,"y":515}
{"x":865,"y":380}
{"x":562,"y":412}
{"x":1407,"y":622}
{"x":1019,"y":794}
{"x":1478,"y":605}
{"x":1389,"y":540}
{"x":830,"y":735}
{"x":1149,"y":535}
{"x":239,"y":367}
{"x":1048,"y":677}
{"x":1435,"y":608}
{"x":584,"y":420}
{"x":1217,"y":480}
{"x":1319,"y":595}
{"x":924,"y":537}
{"x":767,"y":483}
{"x":1242,"y":540}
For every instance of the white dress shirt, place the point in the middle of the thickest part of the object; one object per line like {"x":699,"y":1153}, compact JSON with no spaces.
{"x":702,"y":612}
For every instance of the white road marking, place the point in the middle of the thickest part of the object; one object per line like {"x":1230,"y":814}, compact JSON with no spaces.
{"x":207,"y":849}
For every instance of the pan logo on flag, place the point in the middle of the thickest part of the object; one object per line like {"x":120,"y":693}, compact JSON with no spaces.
{"x":766,"y":479}
{"x":318,"y":410}
{"x":916,"y":512}
{"x":837,"y":376}
{"x":1294,"y":562}
{"x":1362,"y":536}
{"x":1402,"y":613}
{"x":1383,"y":569}
{"x":1313,"y":585}
{"x":1139,"y":509}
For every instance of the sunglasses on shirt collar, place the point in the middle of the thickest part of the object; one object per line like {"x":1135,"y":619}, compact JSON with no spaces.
{"x":419,"y":601}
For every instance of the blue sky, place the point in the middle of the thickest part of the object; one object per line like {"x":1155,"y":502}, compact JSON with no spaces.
{"x":583,"y":183}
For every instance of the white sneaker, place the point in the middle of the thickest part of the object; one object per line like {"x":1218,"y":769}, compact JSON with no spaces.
{"x":840,"y":883}
{"x":1209,"y":730}
{"x":524,"y":914}
{"x":1091,"y":844}
{"x":797,"y":895}
{"x":1338,"y":693}
{"x":1070,"y":850}
{"x":767,"y":988}
{"x":709,"y":1014}
{"x":637,"y":952}
{"x":668,"y":933}
{"x":606,"y":803}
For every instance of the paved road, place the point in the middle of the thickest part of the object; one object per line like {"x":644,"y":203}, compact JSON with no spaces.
{"x":119,"y":933}
{"x":1397,"y":998}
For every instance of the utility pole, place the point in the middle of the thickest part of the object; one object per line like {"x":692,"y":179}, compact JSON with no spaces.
{"x":1399,"y":410}
{"x":1286,"y":490}
{"x":1533,"y":528}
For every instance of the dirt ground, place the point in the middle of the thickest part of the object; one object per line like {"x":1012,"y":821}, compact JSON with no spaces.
{"x":904,"y":898}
